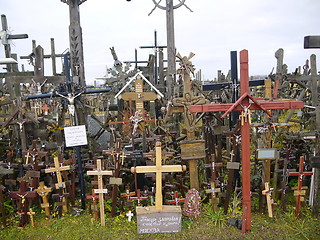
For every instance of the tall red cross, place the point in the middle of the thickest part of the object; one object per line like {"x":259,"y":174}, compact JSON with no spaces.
{"x":300,"y":174}
{"x":244,"y":104}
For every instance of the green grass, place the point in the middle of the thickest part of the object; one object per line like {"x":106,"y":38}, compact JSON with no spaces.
{"x":208,"y":226}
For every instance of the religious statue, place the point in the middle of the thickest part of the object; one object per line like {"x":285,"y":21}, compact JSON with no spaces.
{"x":71,"y":97}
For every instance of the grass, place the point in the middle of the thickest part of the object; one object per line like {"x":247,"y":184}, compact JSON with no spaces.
{"x":209,"y":225}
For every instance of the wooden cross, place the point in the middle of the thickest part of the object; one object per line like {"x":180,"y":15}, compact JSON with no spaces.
{"x":100,"y":173}
{"x":95,"y":209}
{"x":128,"y":195}
{"x":213,"y":165}
{"x":158,"y":169}
{"x":181,"y":185}
{"x":214,"y":200}
{"x":23,"y":194}
{"x":268,"y":193}
{"x":43,"y":192}
{"x":138,"y":197}
{"x":139,"y":96}
{"x":61,"y":196}
{"x":31,"y":213}
{"x":58,"y":169}
{"x":245,"y":100}
{"x":300,"y":192}
{"x":176,"y":199}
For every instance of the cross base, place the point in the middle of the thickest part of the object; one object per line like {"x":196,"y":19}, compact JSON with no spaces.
{"x":151,"y":220}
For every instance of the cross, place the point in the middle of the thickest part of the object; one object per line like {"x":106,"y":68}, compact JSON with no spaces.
{"x":43,"y":192}
{"x":94,"y":199}
{"x":100,"y":173}
{"x":31,"y":213}
{"x":139,"y":96}
{"x":127,"y":194}
{"x":158,"y":169}
{"x":246,"y":100}
{"x":129,"y":215}
{"x":214,"y":200}
{"x":170,"y":40}
{"x":176,"y":199}
{"x":138,"y":197}
{"x":23,"y":194}
{"x":5,"y":36}
{"x":61,"y":199}
{"x":268,"y":193}
{"x":300,"y":192}
{"x":181,"y":185}
{"x":213,"y":165}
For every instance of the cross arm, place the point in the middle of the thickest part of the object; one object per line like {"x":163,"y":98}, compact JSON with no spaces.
{"x":99,"y":173}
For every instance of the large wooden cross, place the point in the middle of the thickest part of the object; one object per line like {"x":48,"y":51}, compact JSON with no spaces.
{"x":99,"y":172}
{"x":158,"y":169}
{"x":244,"y":103}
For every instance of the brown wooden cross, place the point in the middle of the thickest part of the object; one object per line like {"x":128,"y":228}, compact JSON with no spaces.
{"x":176,"y":199}
{"x":300,"y":192}
{"x":43,"y":192}
{"x":138,"y":198}
{"x":94,"y":198}
{"x":158,"y":169}
{"x":100,"y":173}
{"x":245,"y":103}
{"x":23,"y":195}
{"x":214,"y":200}
{"x":61,"y":199}
{"x":139,"y":96}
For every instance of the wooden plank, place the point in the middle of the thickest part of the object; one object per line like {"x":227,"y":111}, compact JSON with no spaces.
{"x":117,"y":181}
{"x":299,"y":193}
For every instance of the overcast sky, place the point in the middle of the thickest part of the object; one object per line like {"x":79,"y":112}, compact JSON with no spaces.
{"x":211,"y":31}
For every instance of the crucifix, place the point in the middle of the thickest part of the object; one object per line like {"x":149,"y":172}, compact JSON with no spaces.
{"x":300,"y":192}
{"x":23,"y":194}
{"x":176,"y":200}
{"x":100,"y":173}
{"x":43,"y":192}
{"x":58,"y":169}
{"x":138,"y":198}
{"x":245,"y":100}
{"x":189,"y":118}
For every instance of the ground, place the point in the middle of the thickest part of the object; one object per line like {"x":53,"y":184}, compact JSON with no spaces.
{"x":208,"y":226}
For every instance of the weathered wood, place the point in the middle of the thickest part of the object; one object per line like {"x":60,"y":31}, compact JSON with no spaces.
{"x":43,"y":192}
{"x":268,"y":193}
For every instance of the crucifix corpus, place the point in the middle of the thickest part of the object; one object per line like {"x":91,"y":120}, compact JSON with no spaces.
{"x":149,"y":218}
{"x":245,"y":103}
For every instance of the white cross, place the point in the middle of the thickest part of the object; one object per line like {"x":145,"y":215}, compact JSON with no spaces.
{"x":129,"y":215}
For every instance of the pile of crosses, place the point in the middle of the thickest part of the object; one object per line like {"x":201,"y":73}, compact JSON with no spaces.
{"x":158,"y":145}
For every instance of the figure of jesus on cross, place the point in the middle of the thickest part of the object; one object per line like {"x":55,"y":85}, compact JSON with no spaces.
{"x":244,"y":104}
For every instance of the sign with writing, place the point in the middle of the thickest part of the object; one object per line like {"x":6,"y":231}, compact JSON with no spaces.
{"x":75,"y":136}
{"x":267,"y":153}
{"x":159,"y":222}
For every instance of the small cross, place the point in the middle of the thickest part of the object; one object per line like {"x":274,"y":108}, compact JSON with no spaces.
{"x":46,"y":109}
{"x":129,"y":215}
{"x":31,"y":213}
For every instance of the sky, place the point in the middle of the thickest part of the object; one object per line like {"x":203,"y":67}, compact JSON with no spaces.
{"x":211,"y":31}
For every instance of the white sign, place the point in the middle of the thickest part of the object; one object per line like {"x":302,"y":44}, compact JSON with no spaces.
{"x":75,"y":136}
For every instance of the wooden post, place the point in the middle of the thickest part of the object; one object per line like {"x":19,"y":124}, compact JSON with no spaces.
{"x":100,"y":173}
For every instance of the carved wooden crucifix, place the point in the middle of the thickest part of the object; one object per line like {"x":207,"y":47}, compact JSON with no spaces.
{"x":245,"y":100}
